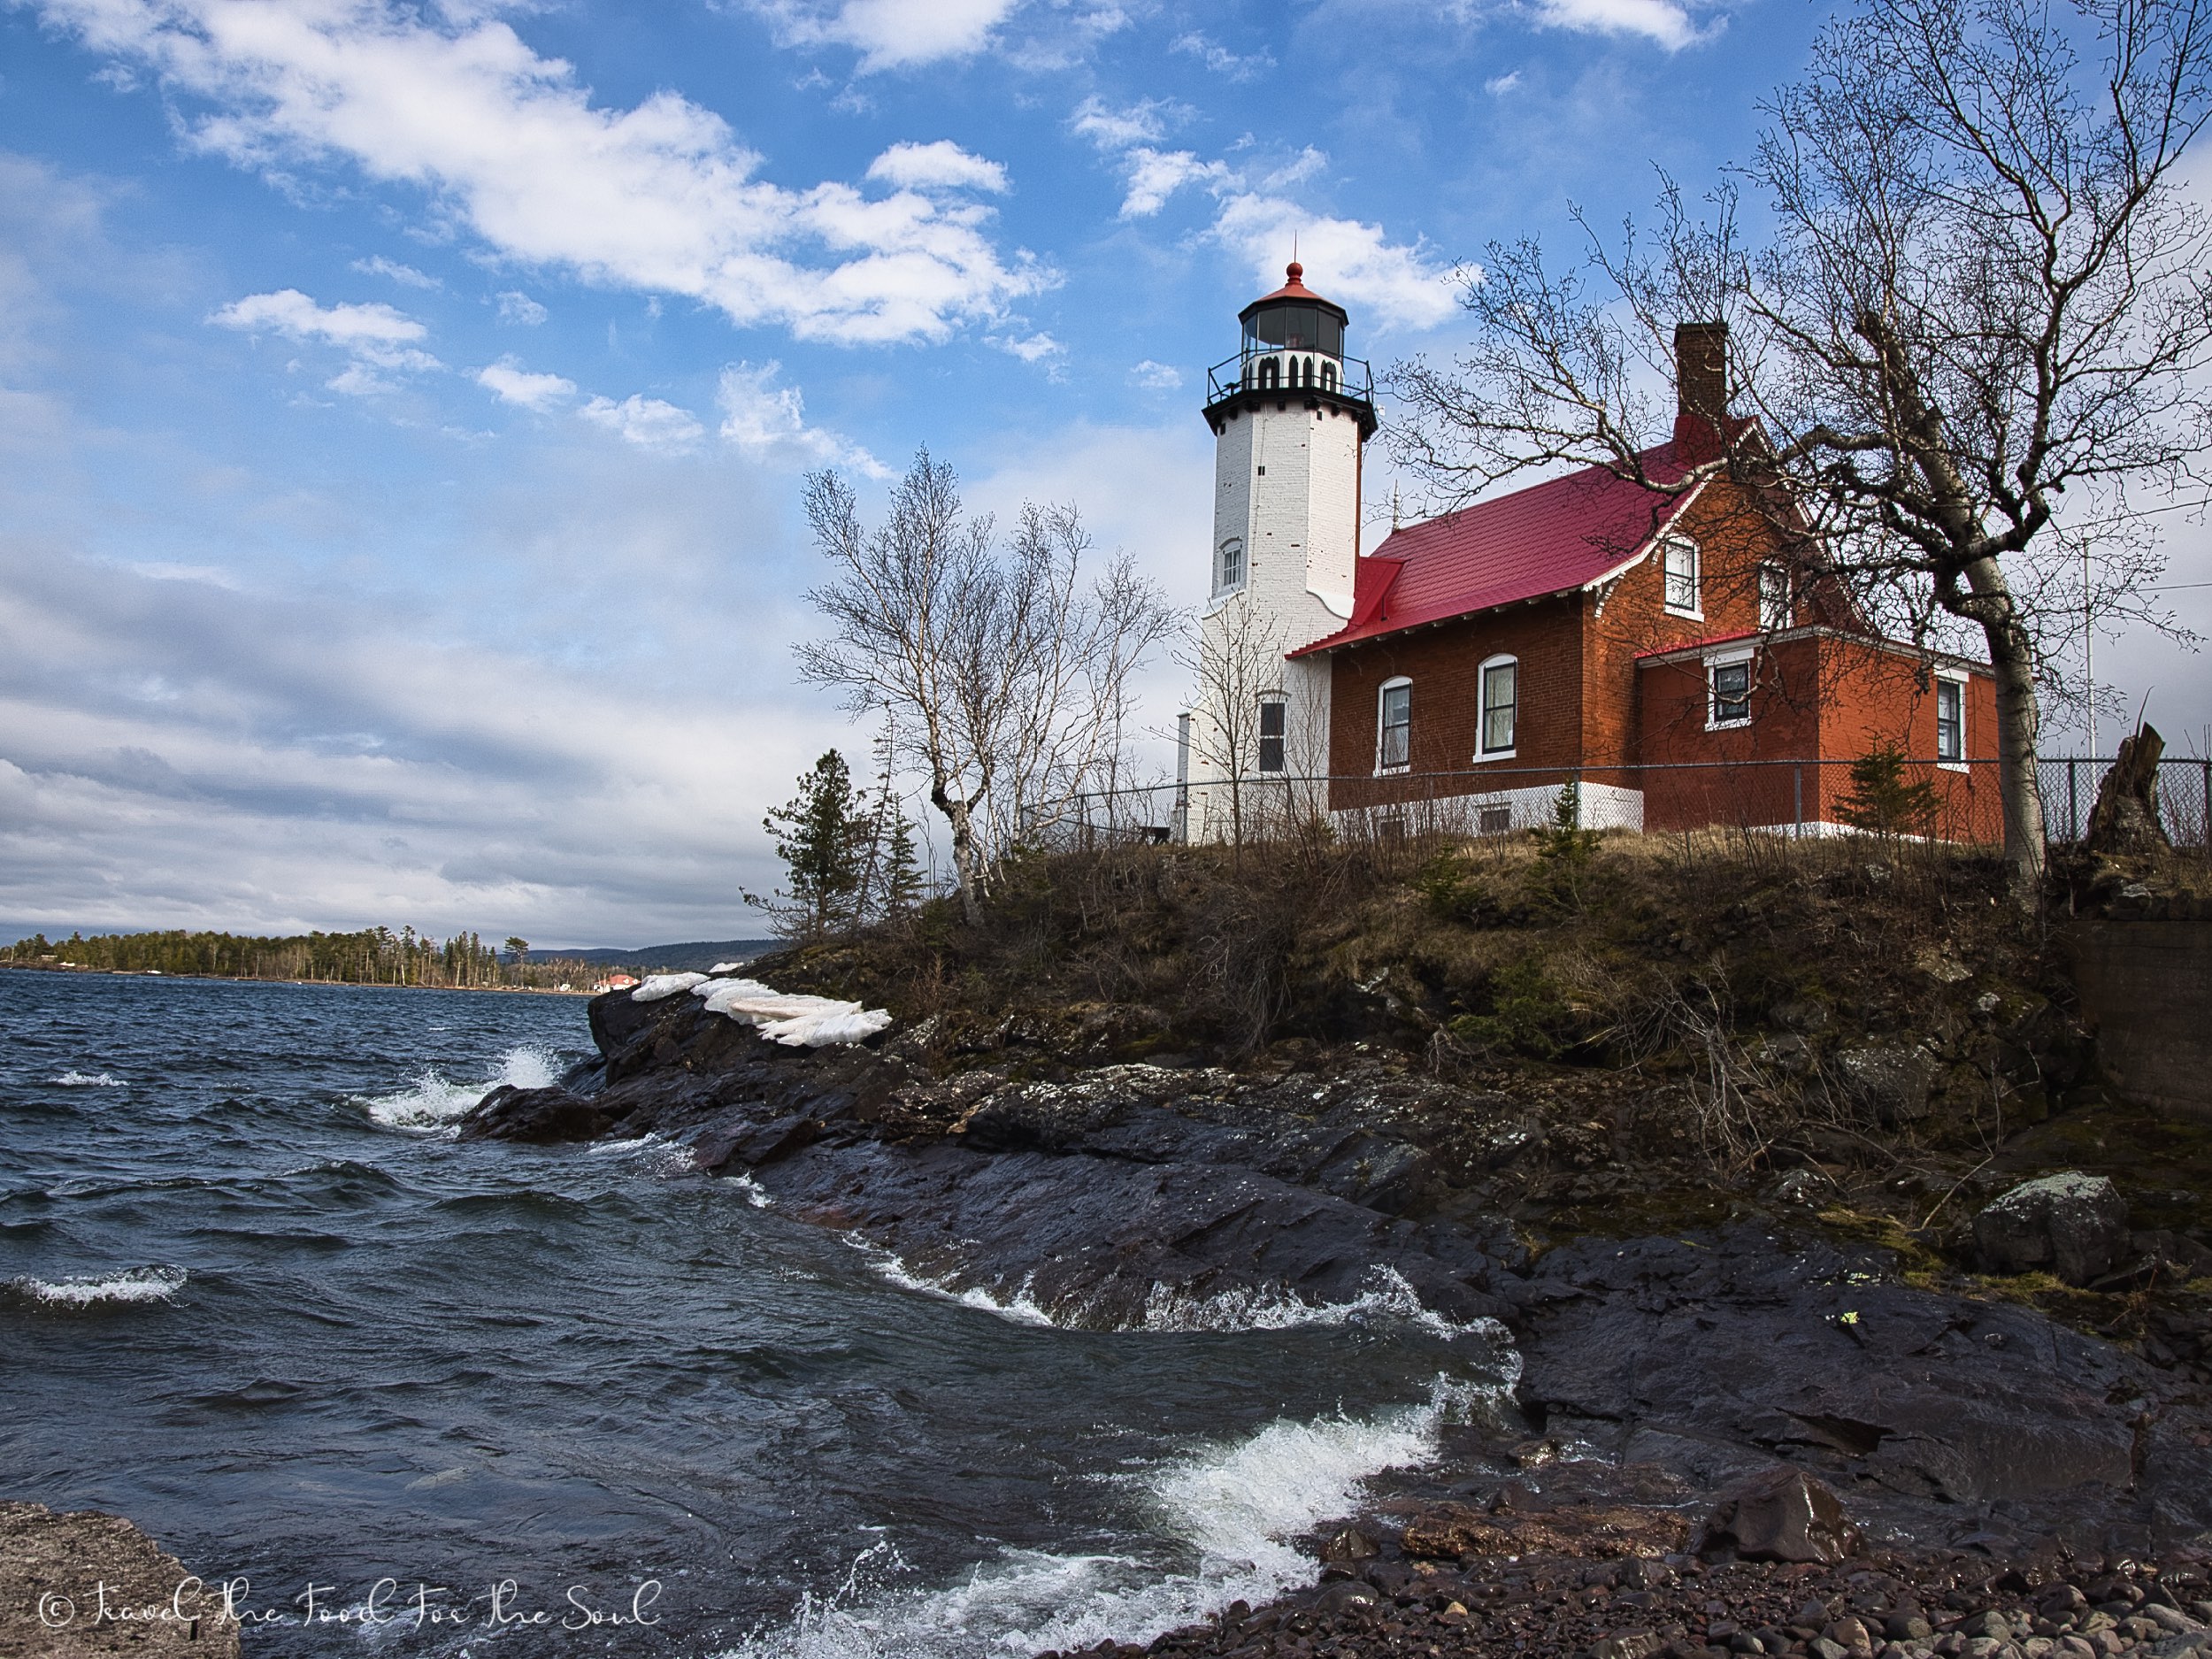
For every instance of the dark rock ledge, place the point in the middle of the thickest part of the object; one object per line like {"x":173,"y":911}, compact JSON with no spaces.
{"x":1992,"y":1457}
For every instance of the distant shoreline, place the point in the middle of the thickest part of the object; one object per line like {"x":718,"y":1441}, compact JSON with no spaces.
{"x":256,"y":978}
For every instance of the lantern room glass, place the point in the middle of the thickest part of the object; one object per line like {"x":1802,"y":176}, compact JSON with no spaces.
{"x":1289,"y":327}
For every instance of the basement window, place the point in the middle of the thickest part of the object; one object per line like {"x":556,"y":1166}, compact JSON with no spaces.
{"x":1394,"y":718}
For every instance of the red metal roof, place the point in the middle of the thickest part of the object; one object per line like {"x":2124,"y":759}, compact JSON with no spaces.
{"x":1551,"y":538}
{"x":1294,"y":288}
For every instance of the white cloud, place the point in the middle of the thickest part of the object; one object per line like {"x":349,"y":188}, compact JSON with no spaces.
{"x":1221,"y":60}
{"x":940,"y":165}
{"x":768,"y":420}
{"x":405,"y":275}
{"x":647,"y":422}
{"x":890,"y":34}
{"x":1143,"y":123}
{"x":293,"y":314}
{"x":1155,"y":175}
{"x":1660,"y":20}
{"x":1498,"y":86}
{"x":376,"y":336}
{"x":1354,"y":264}
{"x":659,"y":197}
{"x":1155,"y":377}
{"x":517,"y":307}
{"x":512,"y":383}
{"x":1035,"y":347}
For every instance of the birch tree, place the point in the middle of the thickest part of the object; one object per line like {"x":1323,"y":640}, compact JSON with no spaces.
{"x":1973,"y":346}
{"x":1004,"y":672}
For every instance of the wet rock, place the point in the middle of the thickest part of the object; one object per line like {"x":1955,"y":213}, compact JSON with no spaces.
{"x":1782,"y":1515}
{"x":2075,"y":1225}
{"x":58,"y":1571}
{"x":535,"y":1115}
{"x":1351,"y":1544}
{"x":1596,"y":1532}
{"x":1894,"y":1082}
{"x":745,"y":1145}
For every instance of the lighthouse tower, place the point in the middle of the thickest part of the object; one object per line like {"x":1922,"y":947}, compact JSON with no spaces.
{"x":1290,"y":414}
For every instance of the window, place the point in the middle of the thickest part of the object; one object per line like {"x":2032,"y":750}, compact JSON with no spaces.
{"x":1394,"y":748}
{"x":1494,"y":820}
{"x":1730,"y":703}
{"x":1274,"y":712}
{"x":1500,"y":704}
{"x":1774,"y":598}
{"x":1231,"y":571}
{"x":1678,"y":560}
{"x":1950,"y":721}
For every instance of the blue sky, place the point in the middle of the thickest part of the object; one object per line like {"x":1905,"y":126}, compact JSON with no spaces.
{"x":403,"y":407}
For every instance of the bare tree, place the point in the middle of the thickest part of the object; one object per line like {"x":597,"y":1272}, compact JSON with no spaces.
{"x":1974,"y":344}
{"x":1005,"y":675}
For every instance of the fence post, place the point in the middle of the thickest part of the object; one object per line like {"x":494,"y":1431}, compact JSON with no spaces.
{"x":1797,"y":800}
{"x":2204,"y":836}
{"x":2073,"y":800}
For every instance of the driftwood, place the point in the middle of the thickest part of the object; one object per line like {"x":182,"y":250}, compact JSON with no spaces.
{"x":2124,"y":822}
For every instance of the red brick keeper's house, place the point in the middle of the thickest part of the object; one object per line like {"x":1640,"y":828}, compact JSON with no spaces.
{"x":1661,"y":649}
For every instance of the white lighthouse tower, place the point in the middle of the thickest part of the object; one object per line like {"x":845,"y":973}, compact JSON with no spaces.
{"x":1290,"y":414}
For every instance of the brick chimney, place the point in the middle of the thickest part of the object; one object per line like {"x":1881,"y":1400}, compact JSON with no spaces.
{"x":1701,"y":389}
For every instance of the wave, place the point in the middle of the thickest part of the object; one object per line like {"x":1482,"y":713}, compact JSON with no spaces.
{"x":75,"y":1078}
{"x":1386,"y":1298}
{"x":140,"y":1283}
{"x":430,"y":1102}
{"x":1223,"y":1512}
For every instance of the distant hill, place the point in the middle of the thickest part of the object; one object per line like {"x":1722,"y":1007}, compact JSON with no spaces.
{"x":695,"y":957}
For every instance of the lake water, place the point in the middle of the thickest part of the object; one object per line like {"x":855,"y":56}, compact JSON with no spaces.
{"x":256,"y":1297}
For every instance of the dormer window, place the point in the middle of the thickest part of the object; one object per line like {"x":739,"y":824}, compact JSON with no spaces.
{"x":1678,"y":562}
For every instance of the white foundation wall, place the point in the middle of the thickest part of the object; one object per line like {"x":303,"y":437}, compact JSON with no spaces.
{"x":1505,"y":812}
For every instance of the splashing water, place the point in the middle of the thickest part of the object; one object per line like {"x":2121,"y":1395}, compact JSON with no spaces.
{"x":74,"y":1079}
{"x":140,"y":1283}
{"x":430,"y":1102}
{"x":1222,"y":1513}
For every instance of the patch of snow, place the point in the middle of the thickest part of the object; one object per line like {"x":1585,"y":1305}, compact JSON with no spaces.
{"x":660,"y":985}
{"x":796,"y":1020}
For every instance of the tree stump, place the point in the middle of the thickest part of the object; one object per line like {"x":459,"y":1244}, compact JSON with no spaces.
{"x":2124,"y":822}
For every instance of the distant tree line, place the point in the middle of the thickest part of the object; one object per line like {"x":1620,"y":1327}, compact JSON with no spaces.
{"x":375,"y":956}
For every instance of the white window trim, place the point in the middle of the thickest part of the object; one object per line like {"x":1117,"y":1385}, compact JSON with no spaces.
{"x":1484,"y":757}
{"x":1389,"y":685}
{"x":1280,"y":700}
{"x":1769,"y":567}
{"x":1722,"y":659}
{"x":1244,"y":567}
{"x":1696,"y":612}
{"x":1965,"y":749}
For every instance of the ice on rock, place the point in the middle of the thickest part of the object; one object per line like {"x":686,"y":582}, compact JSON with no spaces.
{"x":660,"y":985}
{"x":795,"y":1020}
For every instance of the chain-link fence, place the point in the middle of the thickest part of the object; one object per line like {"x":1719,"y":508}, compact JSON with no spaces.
{"x":1955,"y":802}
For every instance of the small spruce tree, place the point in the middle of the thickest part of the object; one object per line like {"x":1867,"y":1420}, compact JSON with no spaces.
{"x":1883,"y":800}
{"x":822,"y":834}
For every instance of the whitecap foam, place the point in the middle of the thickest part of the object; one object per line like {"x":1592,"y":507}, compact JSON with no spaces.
{"x":74,"y":1079}
{"x":140,"y":1283}
{"x":431,"y":1103}
{"x":1222,"y":1512}
{"x":1387,"y":1296}
{"x":1018,"y":1308}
